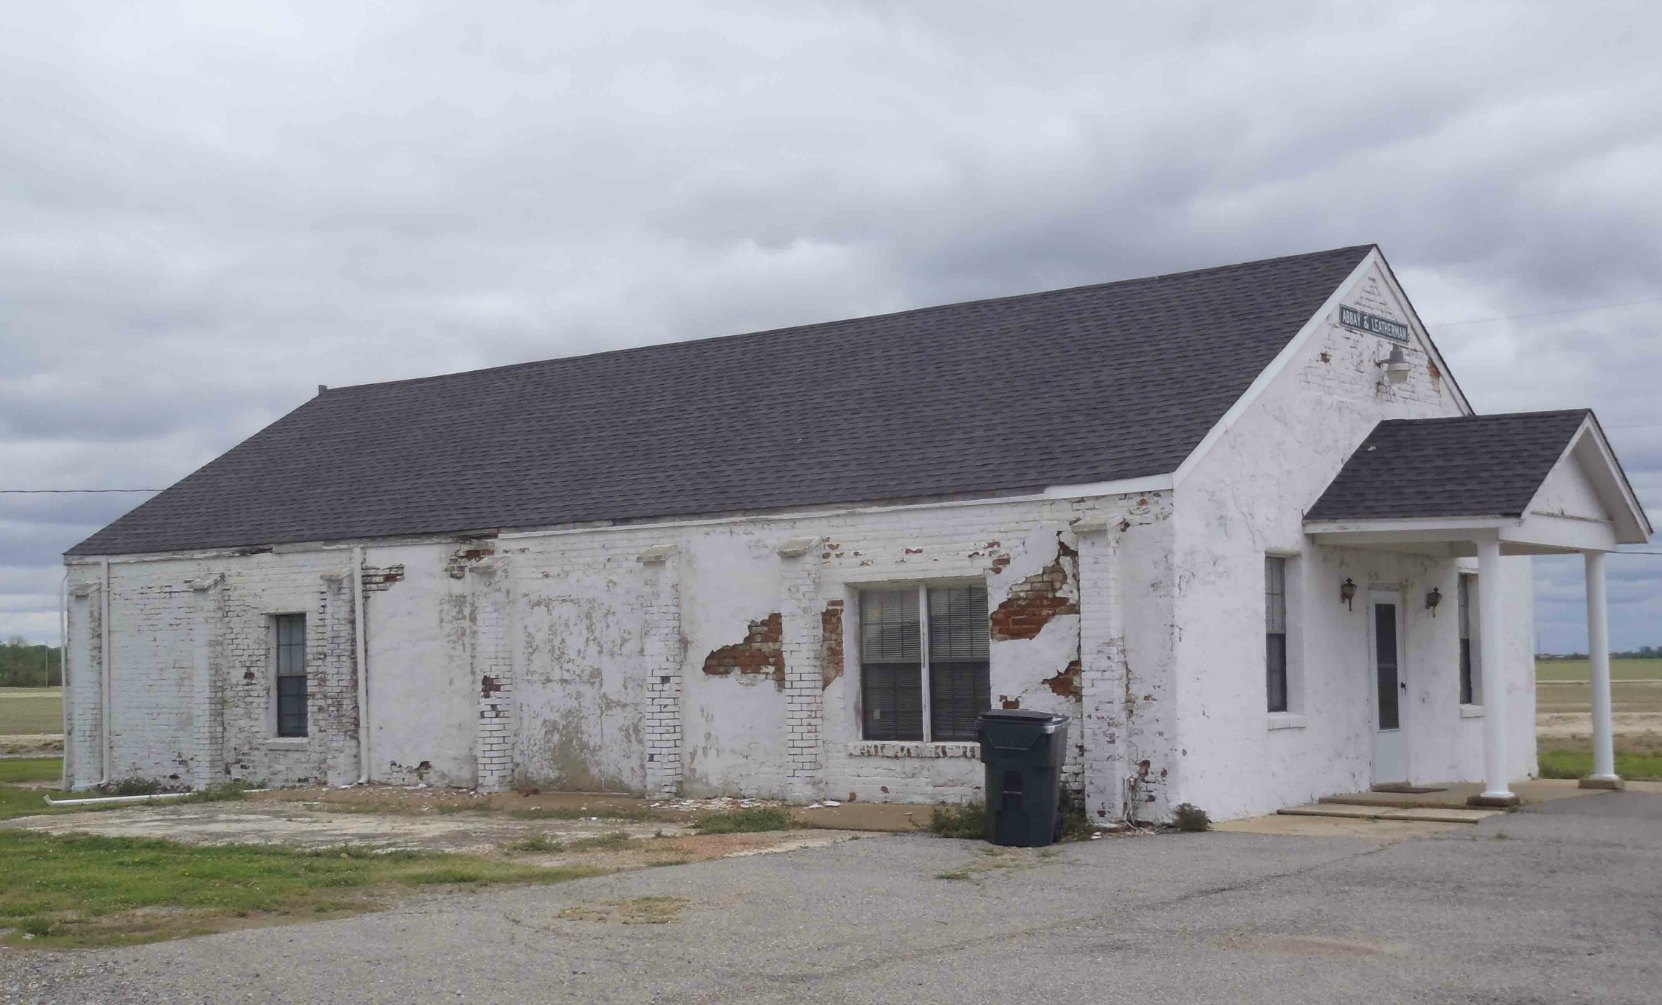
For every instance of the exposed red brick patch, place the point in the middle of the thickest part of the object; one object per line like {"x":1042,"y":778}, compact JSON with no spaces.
{"x":472,"y":552}
{"x":1005,"y":701}
{"x":488,"y":686}
{"x":759,"y":653}
{"x":831,"y":642}
{"x":376,"y":580}
{"x":1066,"y":684}
{"x":1037,"y":599}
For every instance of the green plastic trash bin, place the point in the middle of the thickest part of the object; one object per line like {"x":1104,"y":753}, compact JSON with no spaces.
{"x":1023,"y":752}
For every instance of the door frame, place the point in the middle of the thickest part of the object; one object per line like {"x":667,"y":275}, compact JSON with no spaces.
{"x":1398,"y":737}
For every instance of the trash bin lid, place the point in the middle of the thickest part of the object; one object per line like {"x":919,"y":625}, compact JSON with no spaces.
{"x":1021,"y":715}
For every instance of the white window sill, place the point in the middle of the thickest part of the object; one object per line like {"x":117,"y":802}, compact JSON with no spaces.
{"x":1471,"y":711}
{"x":286,"y":743}
{"x":1284,"y":720}
{"x":912,"y":748}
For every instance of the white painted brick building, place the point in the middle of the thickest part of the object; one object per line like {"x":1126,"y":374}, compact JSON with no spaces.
{"x":1085,"y":495}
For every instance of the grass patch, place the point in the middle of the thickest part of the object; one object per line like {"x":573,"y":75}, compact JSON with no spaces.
{"x":1581,"y":670}
{"x":636,"y":911}
{"x":220,"y":793}
{"x":968,"y":820}
{"x":16,"y":802}
{"x":1632,"y":765}
{"x":755,"y":818}
{"x":82,"y":890}
{"x":536,"y":844}
{"x":615,"y":841}
{"x":128,"y":787}
{"x":954,"y":874}
{"x":31,"y":710}
{"x":542,"y":844}
{"x":30,"y":769}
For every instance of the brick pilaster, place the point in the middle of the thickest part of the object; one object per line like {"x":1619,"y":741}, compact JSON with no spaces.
{"x":84,"y":686}
{"x":207,"y":720}
{"x":493,"y":671}
{"x":1102,"y":677}
{"x":804,"y":677}
{"x":663,"y":656}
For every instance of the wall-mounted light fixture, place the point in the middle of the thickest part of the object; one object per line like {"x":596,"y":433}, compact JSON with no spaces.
{"x":1347,"y":593}
{"x":1432,"y":599}
{"x":1396,"y":367}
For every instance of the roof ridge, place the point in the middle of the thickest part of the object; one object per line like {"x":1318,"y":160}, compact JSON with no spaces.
{"x":818,"y":325}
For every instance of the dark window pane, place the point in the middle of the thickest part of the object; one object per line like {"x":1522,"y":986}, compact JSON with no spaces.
{"x":958,"y":625}
{"x":1465,"y":671}
{"x":891,"y":701}
{"x":1275,"y":595}
{"x":1275,"y":661}
{"x":290,"y":633}
{"x":1465,"y":603}
{"x":291,"y":706}
{"x":889,"y":627}
{"x":1385,"y":658}
{"x":958,"y":693}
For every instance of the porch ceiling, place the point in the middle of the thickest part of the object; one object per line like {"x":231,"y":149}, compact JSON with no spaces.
{"x":1459,"y":538}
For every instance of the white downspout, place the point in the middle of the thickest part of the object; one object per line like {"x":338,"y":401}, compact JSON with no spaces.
{"x":63,"y":674}
{"x":105,"y":755}
{"x":362,"y":656}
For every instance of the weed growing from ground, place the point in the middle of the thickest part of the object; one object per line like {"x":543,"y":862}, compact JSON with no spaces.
{"x":755,"y":818}
{"x":967,"y":820}
{"x":1191,"y":818}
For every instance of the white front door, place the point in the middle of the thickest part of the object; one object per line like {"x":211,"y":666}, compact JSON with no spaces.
{"x":1390,"y":753}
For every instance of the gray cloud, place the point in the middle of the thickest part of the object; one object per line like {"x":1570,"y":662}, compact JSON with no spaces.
{"x":208,"y":209}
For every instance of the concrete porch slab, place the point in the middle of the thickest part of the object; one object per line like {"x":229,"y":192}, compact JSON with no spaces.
{"x":1455,"y":795}
{"x":1440,"y":815}
{"x":1339,"y":810}
{"x":1418,"y":814}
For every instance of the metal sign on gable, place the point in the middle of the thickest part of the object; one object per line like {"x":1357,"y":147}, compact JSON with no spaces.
{"x":1373,"y":324}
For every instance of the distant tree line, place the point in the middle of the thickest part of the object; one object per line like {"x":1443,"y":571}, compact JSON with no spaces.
{"x":25,"y":665}
{"x":1641,"y":653}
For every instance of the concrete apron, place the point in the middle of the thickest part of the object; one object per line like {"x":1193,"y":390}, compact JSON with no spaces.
{"x":1448,"y":803}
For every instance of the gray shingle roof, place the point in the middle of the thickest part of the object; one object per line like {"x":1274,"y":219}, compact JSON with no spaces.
{"x":1471,"y":465}
{"x":1103,"y":382}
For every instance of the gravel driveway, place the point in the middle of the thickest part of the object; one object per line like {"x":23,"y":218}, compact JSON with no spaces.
{"x":1558,"y":904}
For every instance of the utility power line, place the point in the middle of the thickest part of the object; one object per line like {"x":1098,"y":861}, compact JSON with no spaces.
{"x":1546,"y":314}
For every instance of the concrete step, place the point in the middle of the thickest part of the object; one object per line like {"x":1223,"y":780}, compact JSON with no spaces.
{"x":1424,"y":814}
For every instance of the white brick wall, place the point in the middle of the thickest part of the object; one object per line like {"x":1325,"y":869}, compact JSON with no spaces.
{"x":583,"y":666}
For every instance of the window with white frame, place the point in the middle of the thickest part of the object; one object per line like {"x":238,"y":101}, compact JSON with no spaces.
{"x":1471,"y":683}
{"x":923,"y":662}
{"x":1275,"y":632}
{"x":288,"y":635}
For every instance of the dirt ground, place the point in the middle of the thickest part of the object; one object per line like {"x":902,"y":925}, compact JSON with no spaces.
{"x":413,"y":820}
{"x":1561,"y":725}
{"x":31,"y":745}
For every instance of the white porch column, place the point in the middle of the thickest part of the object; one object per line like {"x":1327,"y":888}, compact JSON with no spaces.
{"x":1491,"y":645}
{"x":1598,"y":654}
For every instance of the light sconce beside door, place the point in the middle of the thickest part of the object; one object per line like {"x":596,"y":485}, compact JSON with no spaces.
{"x":1432,"y":599}
{"x":1347,"y":593}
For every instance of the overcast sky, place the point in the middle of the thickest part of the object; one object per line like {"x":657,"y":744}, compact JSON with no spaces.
{"x":206,"y":209}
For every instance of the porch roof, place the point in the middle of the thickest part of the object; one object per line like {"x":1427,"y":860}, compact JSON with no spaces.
{"x":1537,"y":482}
